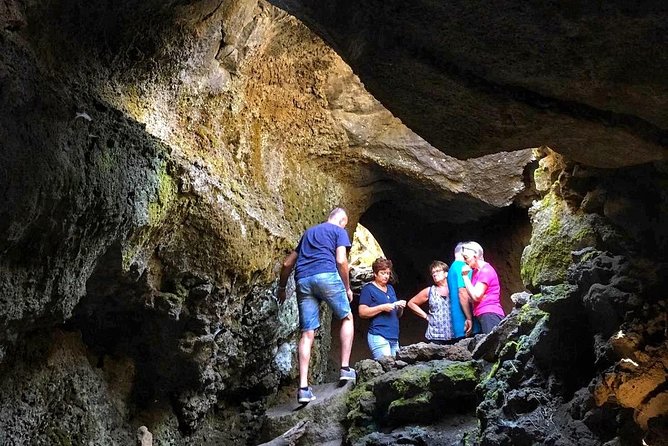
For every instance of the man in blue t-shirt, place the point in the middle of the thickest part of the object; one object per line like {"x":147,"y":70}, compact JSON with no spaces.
{"x":462,"y":314}
{"x":320,"y":262}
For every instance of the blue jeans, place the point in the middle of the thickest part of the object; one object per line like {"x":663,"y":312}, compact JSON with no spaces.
{"x":380,"y":346}
{"x":312,"y":290}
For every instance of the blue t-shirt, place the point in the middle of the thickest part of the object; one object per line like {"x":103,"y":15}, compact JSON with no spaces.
{"x":383,"y":324}
{"x":316,"y":251}
{"x":455,"y":282}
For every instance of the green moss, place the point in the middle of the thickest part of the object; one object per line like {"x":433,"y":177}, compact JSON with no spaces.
{"x":359,"y":393}
{"x":529,"y":315}
{"x":411,"y":380}
{"x":400,"y":386}
{"x":554,"y":294}
{"x":359,"y":422}
{"x":160,"y":203}
{"x":557,"y":232}
{"x":493,"y":371}
{"x":462,"y":371}
{"x":167,"y":191}
{"x":402,"y":404}
{"x":105,"y":162}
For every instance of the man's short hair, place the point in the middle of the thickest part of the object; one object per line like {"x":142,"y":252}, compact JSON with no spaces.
{"x":337,"y":213}
{"x":458,"y":248}
{"x":475,"y":247}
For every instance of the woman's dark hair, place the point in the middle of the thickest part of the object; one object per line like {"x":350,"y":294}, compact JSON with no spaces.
{"x":381,"y":263}
{"x":437,"y":264}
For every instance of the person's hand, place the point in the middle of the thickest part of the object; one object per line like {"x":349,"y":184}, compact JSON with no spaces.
{"x":468,"y":327}
{"x":388,"y":308}
{"x":400,"y":303}
{"x":280,"y":295}
{"x":466,"y":270}
{"x":349,"y":292}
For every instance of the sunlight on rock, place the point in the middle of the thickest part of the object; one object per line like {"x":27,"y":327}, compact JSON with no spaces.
{"x":365,"y":249}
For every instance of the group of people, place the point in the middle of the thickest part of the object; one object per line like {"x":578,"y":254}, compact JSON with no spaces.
{"x":465,"y":298}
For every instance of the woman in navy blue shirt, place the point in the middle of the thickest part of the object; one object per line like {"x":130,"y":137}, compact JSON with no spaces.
{"x":378,"y":302}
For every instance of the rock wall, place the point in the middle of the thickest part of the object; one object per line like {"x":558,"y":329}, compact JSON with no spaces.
{"x":596,"y":327}
{"x":158,"y":160}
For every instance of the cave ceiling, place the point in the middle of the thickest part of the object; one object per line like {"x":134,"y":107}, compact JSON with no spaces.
{"x":473,"y":78}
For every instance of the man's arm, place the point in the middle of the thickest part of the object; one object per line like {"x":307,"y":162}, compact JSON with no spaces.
{"x":342,"y":266}
{"x":466,"y":308}
{"x":286,"y":269}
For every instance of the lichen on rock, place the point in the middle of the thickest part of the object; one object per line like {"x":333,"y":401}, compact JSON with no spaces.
{"x":557,"y":231}
{"x":418,"y":393}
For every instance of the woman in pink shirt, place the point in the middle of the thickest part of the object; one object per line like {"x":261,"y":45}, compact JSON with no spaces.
{"x":483,"y":287}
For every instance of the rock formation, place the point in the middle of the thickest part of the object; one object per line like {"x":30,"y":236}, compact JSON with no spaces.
{"x":474,"y":78}
{"x":158,"y":159}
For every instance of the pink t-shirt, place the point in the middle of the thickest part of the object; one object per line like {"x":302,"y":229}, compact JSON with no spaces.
{"x":491,"y":300}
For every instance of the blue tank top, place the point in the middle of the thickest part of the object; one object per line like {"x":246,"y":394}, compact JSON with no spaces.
{"x":439,"y":327}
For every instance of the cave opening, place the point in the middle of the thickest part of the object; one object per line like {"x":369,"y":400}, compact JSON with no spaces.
{"x":413,"y":239}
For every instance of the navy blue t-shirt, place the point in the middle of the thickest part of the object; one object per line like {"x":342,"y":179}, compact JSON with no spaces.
{"x":316,"y":251}
{"x":383,"y":324}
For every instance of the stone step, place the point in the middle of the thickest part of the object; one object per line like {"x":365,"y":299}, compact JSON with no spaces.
{"x":324,"y":415}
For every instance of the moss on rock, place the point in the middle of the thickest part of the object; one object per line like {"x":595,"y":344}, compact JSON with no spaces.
{"x":413,"y":409}
{"x":416,"y":393}
{"x":360,"y":418}
{"x":557,"y":231}
{"x":461,"y":371}
{"x":165,"y":196}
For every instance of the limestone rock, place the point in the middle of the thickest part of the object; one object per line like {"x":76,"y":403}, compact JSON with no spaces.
{"x":144,"y":437}
{"x":422,"y":352}
{"x":502,"y":81}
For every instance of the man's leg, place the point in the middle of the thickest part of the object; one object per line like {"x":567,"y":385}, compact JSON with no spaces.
{"x":309,"y":321}
{"x":347,"y":333}
{"x":305,"y":344}
{"x":332,"y":291}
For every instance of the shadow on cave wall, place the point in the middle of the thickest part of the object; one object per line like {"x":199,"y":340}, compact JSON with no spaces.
{"x":412,"y":241}
{"x":115,"y":322}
